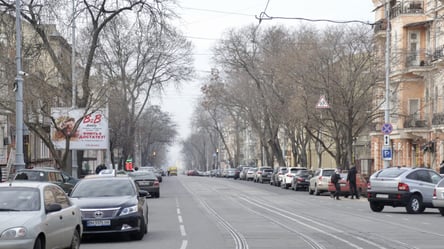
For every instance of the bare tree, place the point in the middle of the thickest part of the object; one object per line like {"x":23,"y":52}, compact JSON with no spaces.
{"x":157,"y":131}
{"x":41,"y":18}
{"x":140,"y":58}
{"x":343,"y":68}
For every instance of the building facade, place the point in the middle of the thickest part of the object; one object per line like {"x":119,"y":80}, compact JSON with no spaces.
{"x":416,"y":60}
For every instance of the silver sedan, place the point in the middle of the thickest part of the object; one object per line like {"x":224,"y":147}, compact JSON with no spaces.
{"x":438,"y":196}
{"x":38,"y":215}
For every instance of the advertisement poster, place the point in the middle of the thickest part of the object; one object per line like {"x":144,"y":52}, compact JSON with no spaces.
{"x":91,"y":134}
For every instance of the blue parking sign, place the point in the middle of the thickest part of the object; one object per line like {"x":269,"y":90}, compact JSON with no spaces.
{"x":387,"y":153}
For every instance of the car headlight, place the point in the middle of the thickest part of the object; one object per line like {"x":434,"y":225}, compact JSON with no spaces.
{"x":129,"y":210}
{"x":13,"y":233}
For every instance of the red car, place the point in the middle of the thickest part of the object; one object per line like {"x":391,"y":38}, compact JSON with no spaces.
{"x":361,"y":185}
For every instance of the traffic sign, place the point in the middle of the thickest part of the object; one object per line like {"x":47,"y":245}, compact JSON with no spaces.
{"x":386,"y":140}
{"x":387,"y":128}
{"x":322,"y":103}
{"x":386,"y":153}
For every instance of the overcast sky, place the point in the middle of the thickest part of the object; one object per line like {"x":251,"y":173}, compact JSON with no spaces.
{"x":204,"y":22}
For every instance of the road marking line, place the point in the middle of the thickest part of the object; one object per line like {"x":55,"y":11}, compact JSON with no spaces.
{"x":180,"y":219}
{"x":184,"y":244}
{"x":182,"y":230}
{"x":178,"y":211}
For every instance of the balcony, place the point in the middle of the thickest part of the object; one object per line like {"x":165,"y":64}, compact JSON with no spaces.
{"x":418,"y":58}
{"x":380,"y":25}
{"x":439,"y":53}
{"x":412,"y":121}
{"x":438,"y":119}
{"x":407,"y":8}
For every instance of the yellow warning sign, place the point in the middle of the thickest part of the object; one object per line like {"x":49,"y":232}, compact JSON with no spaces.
{"x":322,"y":103}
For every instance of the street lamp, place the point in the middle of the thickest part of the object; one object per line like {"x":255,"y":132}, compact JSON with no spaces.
{"x":387,"y":73}
{"x":19,"y":160}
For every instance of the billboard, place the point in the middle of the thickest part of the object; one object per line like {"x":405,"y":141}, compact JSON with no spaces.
{"x":92,"y":132}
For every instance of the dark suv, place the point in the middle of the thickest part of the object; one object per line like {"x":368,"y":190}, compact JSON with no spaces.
{"x":65,"y":181}
{"x":411,"y":188}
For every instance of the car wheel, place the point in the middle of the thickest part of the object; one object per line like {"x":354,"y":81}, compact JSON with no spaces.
{"x":441,"y":211}
{"x":138,"y":235}
{"x":376,"y":207}
{"x":38,"y":244}
{"x":310,"y":191}
{"x":316,"y":191}
{"x":75,"y":241}
{"x":157,"y":194}
{"x":415,"y":205}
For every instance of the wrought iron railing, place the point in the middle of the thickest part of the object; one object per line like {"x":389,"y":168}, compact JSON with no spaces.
{"x":438,"y":119}
{"x":407,"y":7}
{"x":412,"y":121}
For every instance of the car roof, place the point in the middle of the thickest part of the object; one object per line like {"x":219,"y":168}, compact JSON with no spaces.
{"x":45,"y":169}
{"x":101,"y":177}
{"x":29,"y":184}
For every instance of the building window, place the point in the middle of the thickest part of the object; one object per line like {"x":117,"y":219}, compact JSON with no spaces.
{"x":414,"y":108}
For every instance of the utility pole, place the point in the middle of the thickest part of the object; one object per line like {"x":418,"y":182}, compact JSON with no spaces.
{"x":19,"y":159}
{"x":387,"y":76}
{"x":74,"y":86}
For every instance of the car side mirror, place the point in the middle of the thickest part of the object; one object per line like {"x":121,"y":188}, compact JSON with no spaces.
{"x":54,"y":207}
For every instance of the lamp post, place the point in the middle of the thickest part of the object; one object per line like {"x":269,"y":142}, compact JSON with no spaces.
{"x":387,"y":72}
{"x":74,"y":86}
{"x":19,"y":160}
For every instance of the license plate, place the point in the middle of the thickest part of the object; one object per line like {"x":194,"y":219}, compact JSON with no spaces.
{"x":98,"y":223}
{"x":384,"y":196}
{"x":342,"y":184}
{"x":144,"y":183}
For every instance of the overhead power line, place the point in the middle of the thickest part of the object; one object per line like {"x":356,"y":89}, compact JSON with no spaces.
{"x":264,"y":16}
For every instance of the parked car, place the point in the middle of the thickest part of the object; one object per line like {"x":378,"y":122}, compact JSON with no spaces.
{"x":230,"y":173}
{"x":148,"y":181}
{"x":276,"y":177}
{"x":263,"y":174}
{"x":319,"y":181}
{"x":407,"y":187}
{"x":301,"y":180}
{"x":250,"y":174}
{"x":112,"y":205}
{"x":46,"y":174}
{"x":361,"y":185}
{"x":243,"y":173}
{"x":38,"y":215}
{"x":438,"y":196}
{"x":287,"y":178}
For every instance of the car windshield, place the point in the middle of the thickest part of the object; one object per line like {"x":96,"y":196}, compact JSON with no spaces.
{"x":31,"y":176}
{"x":19,"y":199}
{"x":391,"y":172}
{"x":327,"y":172}
{"x":294,"y":170}
{"x":303,"y":173}
{"x":268,"y":170}
{"x":142,"y":175}
{"x":105,"y":187}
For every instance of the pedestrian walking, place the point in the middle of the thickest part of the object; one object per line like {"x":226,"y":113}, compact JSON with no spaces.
{"x":351,"y":179}
{"x":335,"y":177}
{"x":441,"y":167}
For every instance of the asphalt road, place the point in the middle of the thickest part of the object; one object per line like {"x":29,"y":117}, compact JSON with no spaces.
{"x":214,"y":213}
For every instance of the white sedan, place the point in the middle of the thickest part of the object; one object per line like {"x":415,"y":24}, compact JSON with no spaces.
{"x":38,"y":215}
{"x":287,"y":178}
